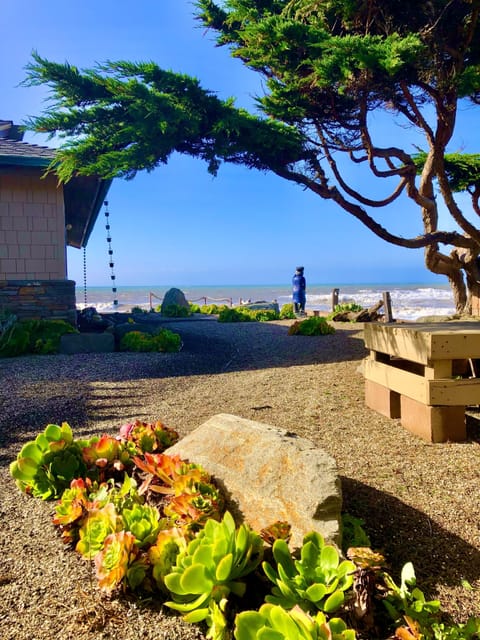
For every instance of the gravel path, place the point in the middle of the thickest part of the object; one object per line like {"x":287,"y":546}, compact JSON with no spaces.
{"x":420,"y":501}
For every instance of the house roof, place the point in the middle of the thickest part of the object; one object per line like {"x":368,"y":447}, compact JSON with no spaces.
{"x":16,"y":152}
{"x":83,"y":195}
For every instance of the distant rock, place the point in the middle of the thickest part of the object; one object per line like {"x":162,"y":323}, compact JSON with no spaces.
{"x":435,"y":318}
{"x":261,"y":304}
{"x":268,"y":474}
{"x":174,"y":297}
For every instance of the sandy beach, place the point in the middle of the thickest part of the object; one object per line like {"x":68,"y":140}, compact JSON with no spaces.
{"x":420,"y":501}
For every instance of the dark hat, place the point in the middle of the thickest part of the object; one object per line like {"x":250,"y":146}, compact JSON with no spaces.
{"x":299,"y":268}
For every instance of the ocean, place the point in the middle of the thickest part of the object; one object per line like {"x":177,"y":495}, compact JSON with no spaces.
{"x":409,"y":301}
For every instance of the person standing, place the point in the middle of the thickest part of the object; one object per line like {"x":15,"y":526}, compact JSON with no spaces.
{"x":299,"y":295}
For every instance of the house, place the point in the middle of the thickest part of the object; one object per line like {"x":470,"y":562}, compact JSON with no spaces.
{"x":39,"y":218}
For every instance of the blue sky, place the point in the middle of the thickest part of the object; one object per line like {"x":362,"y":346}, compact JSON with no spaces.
{"x":178,"y":225}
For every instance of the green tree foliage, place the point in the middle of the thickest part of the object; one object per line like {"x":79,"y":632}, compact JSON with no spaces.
{"x":327,"y":67}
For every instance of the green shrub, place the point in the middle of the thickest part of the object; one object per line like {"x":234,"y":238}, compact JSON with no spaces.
{"x":247,"y":315}
{"x":167,"y":341}
{"x":286,"y":312}
{"x":345,"y":307}
{"x":33,"y":336}
{"x":264,"y":315}
{"x":314,"y":326}
{"x":235,"y":315}
{"x":164,"y":340}
{"x":175,"y":311}
{"x":137,"y":309}
{"x":194,"y":308}
{"x":213,"y":309}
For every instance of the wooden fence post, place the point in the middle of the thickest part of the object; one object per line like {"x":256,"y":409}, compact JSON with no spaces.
{"x":387,"y":305}
{"x":335,"y":293}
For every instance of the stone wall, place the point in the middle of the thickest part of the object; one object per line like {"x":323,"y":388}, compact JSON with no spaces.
{"x":39,"y":299}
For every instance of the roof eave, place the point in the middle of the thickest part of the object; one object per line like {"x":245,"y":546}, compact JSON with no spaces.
{"x":25,"y":161}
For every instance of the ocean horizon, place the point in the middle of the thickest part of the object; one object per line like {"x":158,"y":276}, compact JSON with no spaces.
{"x":409,"y":301}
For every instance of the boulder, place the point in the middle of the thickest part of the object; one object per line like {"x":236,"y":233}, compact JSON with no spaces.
{"x":268,"y":474}
{"x":174,"y":297}
{"x":71,"y":343}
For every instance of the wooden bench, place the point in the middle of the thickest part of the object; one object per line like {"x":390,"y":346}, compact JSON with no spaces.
{"x":424,"y":374}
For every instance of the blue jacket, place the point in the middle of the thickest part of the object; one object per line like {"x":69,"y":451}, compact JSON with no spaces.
{"x":298,"y":286}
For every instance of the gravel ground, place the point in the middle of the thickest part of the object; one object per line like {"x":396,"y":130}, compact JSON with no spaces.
{"x":420,"y":501}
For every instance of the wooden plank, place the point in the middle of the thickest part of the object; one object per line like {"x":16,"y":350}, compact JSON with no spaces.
{"x":403,"y":382}
{"x":426,"y":342}
{"x":398,"y":341}
{"x":455,"y":345}
{"x":454,"y":392}
{"x":437,"y":392}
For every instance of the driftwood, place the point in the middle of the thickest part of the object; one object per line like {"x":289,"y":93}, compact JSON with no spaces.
{"x":365,"y":315}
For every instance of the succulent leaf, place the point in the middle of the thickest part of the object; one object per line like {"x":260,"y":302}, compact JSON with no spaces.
{"x":224,"y":568}
{"x":191,"y":605}
{"x":42,"y":442}
{"x":282,"y":556}
{"x":316,"y":592}
{"x":31,"y":450}
{"x":329,"y":558}
{"x":27,"y":467}
{"x":197,"y":615}
{"x":334,"y":601}
{"x":195,"y":580}
{"x":53,"y":432}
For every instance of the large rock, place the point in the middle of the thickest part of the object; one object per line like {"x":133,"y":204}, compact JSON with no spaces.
{"x":71,"y":343}
{"x":268,"y":474}
{"x":174,"y":297}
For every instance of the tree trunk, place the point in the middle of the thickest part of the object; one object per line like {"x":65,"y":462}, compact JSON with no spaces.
{"x":459,"y":290}
{"x":451,"y":267}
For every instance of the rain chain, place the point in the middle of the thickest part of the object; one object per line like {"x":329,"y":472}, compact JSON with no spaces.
{"x":85,"y":303}
{"x":110,"y":251}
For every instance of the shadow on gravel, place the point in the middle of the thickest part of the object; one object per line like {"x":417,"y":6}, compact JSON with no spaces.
{"x":209,"y":348}
{"x":405,"y":534}
{"x":262,"y":345}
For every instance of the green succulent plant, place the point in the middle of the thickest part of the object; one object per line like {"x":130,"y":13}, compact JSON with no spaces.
{"x":97,"y":525}
{"x":163,"y":554}
{"x":408,"y":600}
{"x":272,"y":622}
{"x":144,"y":522}
{"x":120,"y":562}
{"x":149,"y":437}
{"x":212,"y":567}
{"x":315,"y":581}
{"x":45,"y":466}
{"x":105,"y":456}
